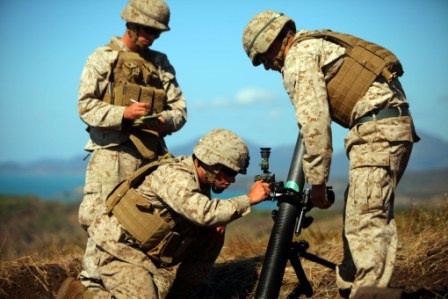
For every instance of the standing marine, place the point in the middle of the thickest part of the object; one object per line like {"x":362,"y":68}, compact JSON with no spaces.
{"x":130,"y":100}
{"x":332,"y":76}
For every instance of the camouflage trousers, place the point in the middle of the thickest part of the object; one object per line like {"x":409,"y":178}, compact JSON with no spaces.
{"x":126,"y":271}
{"x":122,"y":280}
{"x":377,"y":163}
{"x":106,"y":169}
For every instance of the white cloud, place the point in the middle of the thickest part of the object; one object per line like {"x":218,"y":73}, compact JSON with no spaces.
{"x":253,"y":95}
{"x":220,"y":102}
{"x":244,"y":97}
{"x":199,"y":104}
{"x":274,"y":114}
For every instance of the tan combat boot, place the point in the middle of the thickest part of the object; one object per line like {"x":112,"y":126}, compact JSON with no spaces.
{"x":71,"y":288}
{"x":378,"y":293}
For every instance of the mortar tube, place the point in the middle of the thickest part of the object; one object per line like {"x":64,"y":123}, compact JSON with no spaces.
{"x":279,"y":245}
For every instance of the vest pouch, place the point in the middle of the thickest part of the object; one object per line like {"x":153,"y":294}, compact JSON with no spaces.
{"x":165,"y":252}
{"x":155,"y":97}
{"x":147,"y":143}
{"x":147,"y":96}
{"x":137,"y":217}
{"x":369,"y":60}
{"x":135,"y":77}
{"x":116,"y":195}
{"x":126,"y":92}
{"x":108,"y":94}
{"x":346,"y":88}
{"x":160,"y":101}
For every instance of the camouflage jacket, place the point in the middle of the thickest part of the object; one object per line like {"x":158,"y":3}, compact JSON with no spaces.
{"x":304,"y":74}
{"x":176,"y":186}
{"x":105,"y":120}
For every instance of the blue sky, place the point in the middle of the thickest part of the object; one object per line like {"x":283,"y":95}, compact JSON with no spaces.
{"x":46,"y":43}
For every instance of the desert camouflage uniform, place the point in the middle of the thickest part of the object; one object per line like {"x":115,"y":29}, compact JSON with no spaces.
{"x":378,"y":151}
{"x":127,"y":271}
{"x":105,"y":121}
{"x":113,"y":155}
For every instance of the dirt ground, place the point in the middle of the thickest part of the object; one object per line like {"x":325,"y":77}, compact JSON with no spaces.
{"x":24,"y":278}
{"x":421,"y":267}
{"x":27,"y":279}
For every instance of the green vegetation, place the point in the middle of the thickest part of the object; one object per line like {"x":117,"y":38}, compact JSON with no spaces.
{"x":28,"y":225}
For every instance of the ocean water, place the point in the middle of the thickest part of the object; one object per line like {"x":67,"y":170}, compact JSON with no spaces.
{"x":68,"y":188}
{"x":229,"y":193}
{"x":62,"y":188}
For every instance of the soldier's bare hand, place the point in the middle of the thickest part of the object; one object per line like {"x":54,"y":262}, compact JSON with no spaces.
{"x":258,"y":192}
{"x":136,"y":110}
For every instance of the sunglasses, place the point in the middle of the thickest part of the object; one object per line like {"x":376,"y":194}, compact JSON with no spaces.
{"x":229,"y":172}
{"x":264,"y":60}
{"x":151,"y":31}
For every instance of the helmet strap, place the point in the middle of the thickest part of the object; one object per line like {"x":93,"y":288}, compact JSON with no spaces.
{"x":133,"y":30}
{"x":217,"y":190}
{"x":211,"y":176}
{"x":279,"y":59}
{"x":210,"y":171}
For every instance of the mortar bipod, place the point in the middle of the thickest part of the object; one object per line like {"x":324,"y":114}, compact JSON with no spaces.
{"x":298,"y":250}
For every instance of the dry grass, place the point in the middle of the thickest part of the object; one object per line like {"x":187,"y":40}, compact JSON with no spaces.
{"x":422,"y":261}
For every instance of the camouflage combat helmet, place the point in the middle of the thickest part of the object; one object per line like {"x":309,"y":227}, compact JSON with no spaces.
{"x":261,"y":32}
{"x":221,"y":146}
{"x":151,"y":13}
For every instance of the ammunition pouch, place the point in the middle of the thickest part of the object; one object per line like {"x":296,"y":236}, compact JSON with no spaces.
{"x":123,"y":94}
{"x":170,"y":250}
{"x":139,"y":219}
{"x":135,"y":77}
{"x":152,"y":232}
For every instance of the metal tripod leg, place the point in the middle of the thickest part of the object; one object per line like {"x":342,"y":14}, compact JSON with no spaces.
{"x":298,"y":249}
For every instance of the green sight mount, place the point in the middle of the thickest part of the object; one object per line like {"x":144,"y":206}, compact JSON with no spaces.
{"x":266,"y":174}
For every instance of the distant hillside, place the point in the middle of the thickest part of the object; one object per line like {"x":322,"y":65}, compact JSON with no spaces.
{"x":430,"y":153}
{"x":426,"y":175}
{"x":73,"y":166}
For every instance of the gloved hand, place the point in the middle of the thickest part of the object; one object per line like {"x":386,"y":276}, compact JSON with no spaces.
{"x":318,"y":196}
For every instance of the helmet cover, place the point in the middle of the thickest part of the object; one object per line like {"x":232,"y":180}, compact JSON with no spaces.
{"x":221,"y":146}
{"x":151,"y":13}
{"x":262,"y":31}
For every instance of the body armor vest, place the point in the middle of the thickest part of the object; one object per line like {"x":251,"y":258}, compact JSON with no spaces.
{"x":362,"y":64}
{"x":135,"y":78}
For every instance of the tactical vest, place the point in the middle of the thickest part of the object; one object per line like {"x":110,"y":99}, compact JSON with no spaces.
{"x":153,"y":231}
{"x":135,"y":78}
{"x":362,"y":64}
